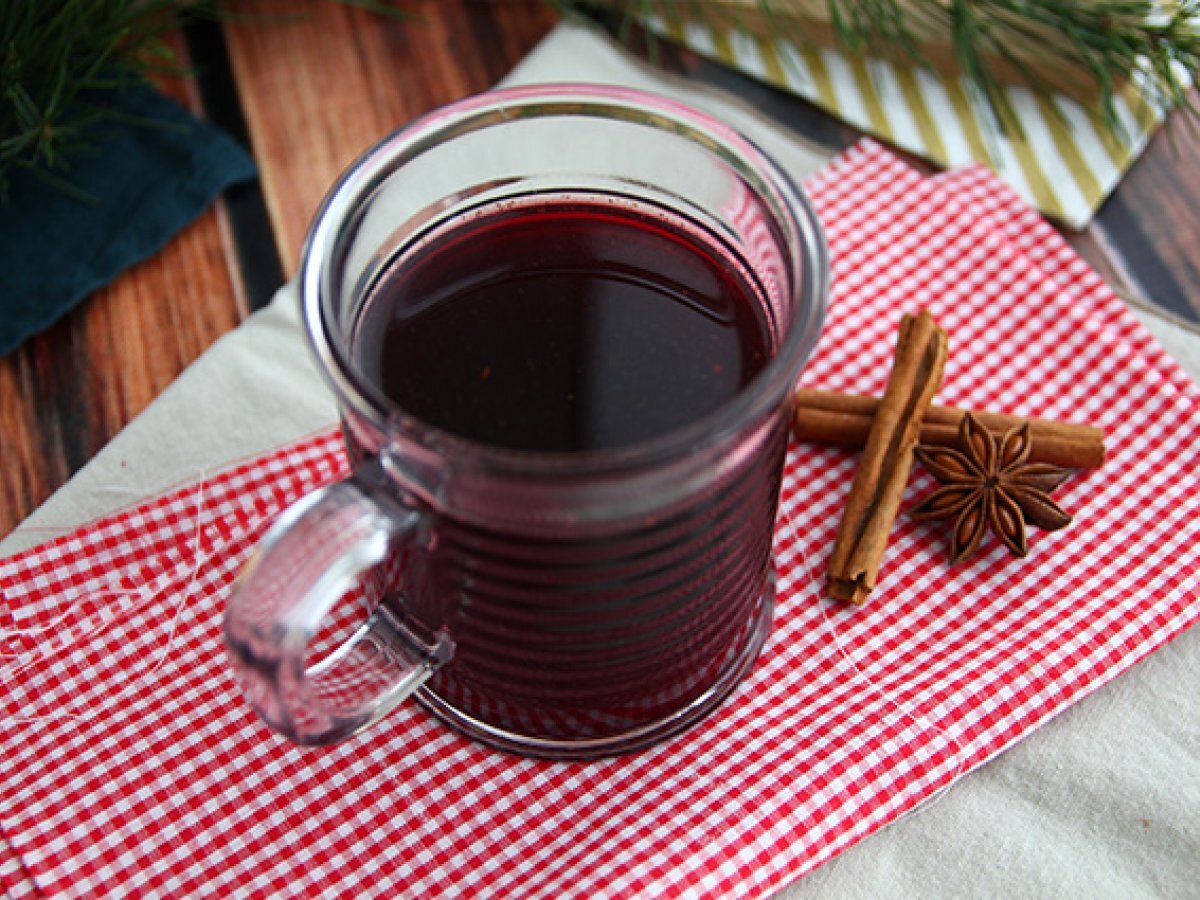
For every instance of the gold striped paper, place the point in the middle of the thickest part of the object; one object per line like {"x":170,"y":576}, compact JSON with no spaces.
{"x":1059,"y":156}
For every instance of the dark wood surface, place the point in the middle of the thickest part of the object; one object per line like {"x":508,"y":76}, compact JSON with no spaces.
{"x":309,"y":86}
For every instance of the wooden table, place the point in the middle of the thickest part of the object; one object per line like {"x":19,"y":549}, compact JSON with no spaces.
{"x":309,"y":86}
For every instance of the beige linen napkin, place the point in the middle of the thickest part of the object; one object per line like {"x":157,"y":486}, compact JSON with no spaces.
{"x":1098,"y":803}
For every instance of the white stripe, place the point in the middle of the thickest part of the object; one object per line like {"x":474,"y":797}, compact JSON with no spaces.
{"x":1088,"y":142}
{"x":1062,"y":181}
{"x":895,"y":107}
{"x":1130,"y":131}
{"x":746,"y":55}
{"x":945,"y":118}
{"x":795,"y":69}
{"x":699,"y":38}
{"x":845,"y":90}
{"x":1139,"y":138}
{"x":1004,"y":159}
{"x":1149,"y":88}
{"x":654,"y":22}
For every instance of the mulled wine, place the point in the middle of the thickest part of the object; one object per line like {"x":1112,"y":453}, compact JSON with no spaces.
{"x":580,"y":325}
{"x":566,"y":326}
{"x":562,"y":324}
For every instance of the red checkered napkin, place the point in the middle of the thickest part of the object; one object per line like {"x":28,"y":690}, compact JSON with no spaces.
{"x":133,"y":767}
{"x":997,"y":206}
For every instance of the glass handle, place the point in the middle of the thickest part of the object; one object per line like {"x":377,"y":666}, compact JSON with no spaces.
{"x":320,"y":549}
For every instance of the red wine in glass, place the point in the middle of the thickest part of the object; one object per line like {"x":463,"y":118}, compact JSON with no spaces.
{"x":571,"y":325}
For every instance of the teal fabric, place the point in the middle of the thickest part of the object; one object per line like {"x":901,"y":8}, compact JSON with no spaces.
{"x":147,"y":181}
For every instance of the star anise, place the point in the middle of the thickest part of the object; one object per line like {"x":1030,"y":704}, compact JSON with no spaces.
{"x":990,"y":484}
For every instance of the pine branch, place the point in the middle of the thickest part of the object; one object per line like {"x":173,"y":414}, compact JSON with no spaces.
{"x":58,"y":58}
{"x":61,"y":61}
{"x":1085,"y":48}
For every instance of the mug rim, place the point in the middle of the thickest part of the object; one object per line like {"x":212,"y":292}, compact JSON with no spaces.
{"x":808,"y":256}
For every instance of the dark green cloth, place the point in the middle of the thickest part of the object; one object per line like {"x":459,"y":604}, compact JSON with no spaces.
{"x":147,"y":182}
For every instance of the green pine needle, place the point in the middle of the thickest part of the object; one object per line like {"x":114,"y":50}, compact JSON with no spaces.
{"x":1107,"y":38}
{"x":59,"y":59}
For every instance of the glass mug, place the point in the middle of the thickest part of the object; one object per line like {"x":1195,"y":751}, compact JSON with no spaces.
{"x":564,"y":600}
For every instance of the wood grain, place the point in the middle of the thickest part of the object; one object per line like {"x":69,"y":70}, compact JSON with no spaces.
{"x":1150,"y":227}
{"x":66,"y":392}
{"x":319,"y":89}
{"x":318,"y":83}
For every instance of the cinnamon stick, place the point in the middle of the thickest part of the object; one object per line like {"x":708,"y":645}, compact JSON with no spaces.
{"x":828,"y":417}
{"x":887,"y":458}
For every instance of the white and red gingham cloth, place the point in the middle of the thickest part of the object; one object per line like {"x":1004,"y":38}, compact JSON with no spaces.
{"x":132,"y":767}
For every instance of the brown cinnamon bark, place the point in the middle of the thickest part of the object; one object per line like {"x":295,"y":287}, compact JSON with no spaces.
{"x":828,"y":417}
{"x":887,"y":458}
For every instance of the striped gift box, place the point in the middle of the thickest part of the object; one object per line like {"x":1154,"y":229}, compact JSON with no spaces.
{"x":1059,"y":155}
